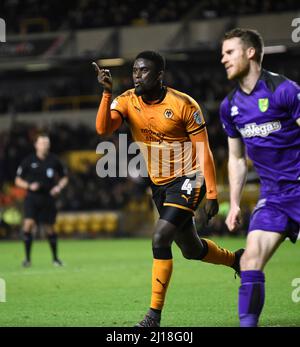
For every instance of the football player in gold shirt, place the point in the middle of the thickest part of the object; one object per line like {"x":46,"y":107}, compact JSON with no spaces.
{"x":160,"y":119}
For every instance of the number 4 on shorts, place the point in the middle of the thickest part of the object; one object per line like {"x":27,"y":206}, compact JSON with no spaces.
{"x":187,"y":186}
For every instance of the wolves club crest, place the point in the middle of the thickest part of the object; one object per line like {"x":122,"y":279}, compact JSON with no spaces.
{"x":168,"y":113}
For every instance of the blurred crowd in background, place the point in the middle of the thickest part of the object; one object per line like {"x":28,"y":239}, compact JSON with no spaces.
{"x":86,"y":191}
{"x":205,"y":80}
{"x":82,"y":14}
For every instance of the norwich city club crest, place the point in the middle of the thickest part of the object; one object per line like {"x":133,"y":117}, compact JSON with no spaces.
{"x":263,"y":104}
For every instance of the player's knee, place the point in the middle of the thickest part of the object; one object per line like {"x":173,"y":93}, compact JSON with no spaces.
{"x":251,"y":261}
{"x":49,"y":231}
{"x":27,"y":237}
{"x":191,"y":254}
{"x":28,"y":226}
{"x":161,"y":239}
{"x":164,"y":234}
{"x":187,"y":255}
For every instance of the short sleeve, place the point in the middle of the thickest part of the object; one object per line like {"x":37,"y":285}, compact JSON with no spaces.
{"x":226,"y":120}
{"x":120,"y":104}
{"x":290,"y":97}
{"x":22,"y":169}
{"x":194,"y":119}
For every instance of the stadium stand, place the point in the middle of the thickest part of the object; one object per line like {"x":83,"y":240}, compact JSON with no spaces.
{"x":37,"y":15}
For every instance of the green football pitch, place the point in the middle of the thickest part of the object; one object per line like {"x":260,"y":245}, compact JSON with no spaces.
{"x":106,"y":283}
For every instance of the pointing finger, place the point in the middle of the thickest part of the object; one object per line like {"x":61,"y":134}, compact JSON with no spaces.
{"x":96,"y":66}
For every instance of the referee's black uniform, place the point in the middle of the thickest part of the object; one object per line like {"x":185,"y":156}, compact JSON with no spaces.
{"x":39,"y":205}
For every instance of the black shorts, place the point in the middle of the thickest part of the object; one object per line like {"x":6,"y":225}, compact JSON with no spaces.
{"x":41,"y":208}
{"x":184,"y":193}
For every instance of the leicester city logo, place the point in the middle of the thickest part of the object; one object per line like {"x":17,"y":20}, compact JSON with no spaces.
{"x":263,"y":104}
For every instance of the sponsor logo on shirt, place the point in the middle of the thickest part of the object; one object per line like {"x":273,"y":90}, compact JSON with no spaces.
{"x":151,"y":135}
{"x":234,"y":111}
{"x":34,"y":165}
{"x":262,"y":130}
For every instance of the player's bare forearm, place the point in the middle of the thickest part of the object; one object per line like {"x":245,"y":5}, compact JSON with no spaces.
{"x":237,"y":173}
{"x":237,"y":170}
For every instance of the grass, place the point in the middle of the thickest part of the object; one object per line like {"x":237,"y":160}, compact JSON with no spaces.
{"x":106,"y":283}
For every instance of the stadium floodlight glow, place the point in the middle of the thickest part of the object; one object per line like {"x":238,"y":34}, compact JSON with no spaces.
{"x":111,"y":62}
{"x":275,"y":49}
{"x":38,"y":67}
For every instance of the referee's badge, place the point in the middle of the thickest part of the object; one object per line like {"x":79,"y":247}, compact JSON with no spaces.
{"x":50,"y":173}
{"x":168,"y":113}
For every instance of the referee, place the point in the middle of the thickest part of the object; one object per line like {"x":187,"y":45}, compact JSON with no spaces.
{"x":44,"y":177}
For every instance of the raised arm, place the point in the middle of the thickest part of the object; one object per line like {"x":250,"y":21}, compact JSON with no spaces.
{"x":237,"y":173}
{"x":107,"y":121}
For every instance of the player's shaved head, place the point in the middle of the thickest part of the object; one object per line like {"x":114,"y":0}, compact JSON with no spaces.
{"x":155,"y":57}
{"x":249,"y":38}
